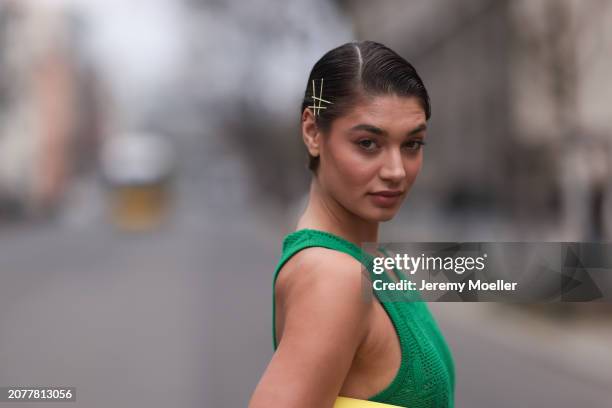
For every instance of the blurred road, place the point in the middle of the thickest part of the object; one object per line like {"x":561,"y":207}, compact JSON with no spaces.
{"x":175,"y":318}
{"x":505,"y":360}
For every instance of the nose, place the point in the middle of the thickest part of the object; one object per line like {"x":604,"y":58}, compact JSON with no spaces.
{"x":392,"y":168}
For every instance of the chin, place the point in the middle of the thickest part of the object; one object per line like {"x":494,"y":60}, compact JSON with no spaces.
{"x":386,"y":216}
{"x":380,"y":214}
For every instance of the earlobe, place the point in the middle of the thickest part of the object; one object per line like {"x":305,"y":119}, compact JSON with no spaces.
{"x":310,"y":133}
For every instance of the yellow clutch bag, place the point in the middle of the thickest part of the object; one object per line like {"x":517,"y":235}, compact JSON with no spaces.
{"x":344,"y":402}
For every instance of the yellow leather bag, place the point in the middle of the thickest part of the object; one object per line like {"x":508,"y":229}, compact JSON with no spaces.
{"x":344,"y":402}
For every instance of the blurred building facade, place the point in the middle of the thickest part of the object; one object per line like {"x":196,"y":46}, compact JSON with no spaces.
{"x":48,"y":125}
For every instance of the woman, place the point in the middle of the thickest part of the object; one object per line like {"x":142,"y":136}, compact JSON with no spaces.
{"x":364,"y":118}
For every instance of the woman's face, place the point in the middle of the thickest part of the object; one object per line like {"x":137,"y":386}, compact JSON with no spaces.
{"x":372,"y":155}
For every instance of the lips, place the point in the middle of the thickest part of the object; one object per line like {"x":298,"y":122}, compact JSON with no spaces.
{"x":388,"y":193}
{"x":386,"y":198}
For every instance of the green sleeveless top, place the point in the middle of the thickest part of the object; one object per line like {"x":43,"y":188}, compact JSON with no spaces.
{"x":426,"y":377}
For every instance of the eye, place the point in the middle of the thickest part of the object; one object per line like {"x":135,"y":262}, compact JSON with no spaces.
{"x":367,"y":144}
{"x":414,"y":145}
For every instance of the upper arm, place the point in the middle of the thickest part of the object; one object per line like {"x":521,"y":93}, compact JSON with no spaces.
{"x":325,"y":319}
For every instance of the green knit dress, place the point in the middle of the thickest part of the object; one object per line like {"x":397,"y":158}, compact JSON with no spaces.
{"x":426,"y":377}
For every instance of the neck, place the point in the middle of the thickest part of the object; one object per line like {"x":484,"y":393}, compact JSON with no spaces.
{"x":326,"y":214}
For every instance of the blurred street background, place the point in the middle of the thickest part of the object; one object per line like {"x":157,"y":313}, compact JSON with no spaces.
{"x":151,"y":163}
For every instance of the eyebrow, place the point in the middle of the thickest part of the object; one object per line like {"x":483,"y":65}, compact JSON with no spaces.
{"x":378,"y":131}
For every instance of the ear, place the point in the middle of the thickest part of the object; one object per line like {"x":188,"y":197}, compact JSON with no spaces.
{"x":310,"y":133}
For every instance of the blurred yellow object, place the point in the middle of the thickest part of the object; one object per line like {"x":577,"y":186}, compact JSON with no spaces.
{"x":139,"y":207}
{"x":138,"y":168}
{"x":344,"y":402}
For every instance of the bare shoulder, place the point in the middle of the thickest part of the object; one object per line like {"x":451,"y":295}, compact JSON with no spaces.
{"x":324,"y":318}
{"x":320,"y":272}
{"x":322,"y":289}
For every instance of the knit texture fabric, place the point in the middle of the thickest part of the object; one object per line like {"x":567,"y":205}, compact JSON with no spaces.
{"x":426,"y":377}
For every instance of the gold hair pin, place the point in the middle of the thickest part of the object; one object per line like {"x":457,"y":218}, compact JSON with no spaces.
{"x":318,"y":106}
